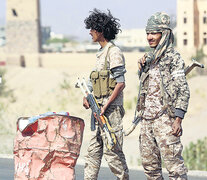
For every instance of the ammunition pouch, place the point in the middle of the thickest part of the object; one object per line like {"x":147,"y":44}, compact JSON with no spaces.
{"x":95,"y":83}
{"x":103,"y":85}
{"x":112,"y":84}
{"x":104,"y":82}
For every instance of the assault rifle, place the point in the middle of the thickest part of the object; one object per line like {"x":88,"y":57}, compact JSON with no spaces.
{"x":137,"y":119}
{"x":96,"y":111}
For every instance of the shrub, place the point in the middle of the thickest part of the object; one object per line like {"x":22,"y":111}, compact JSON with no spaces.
{"x":195,"y":155}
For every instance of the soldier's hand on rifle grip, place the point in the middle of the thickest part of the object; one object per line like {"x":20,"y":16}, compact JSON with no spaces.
{"x":176,"y":127}
{"x":85,"y":103}
{"x":141,"y":62}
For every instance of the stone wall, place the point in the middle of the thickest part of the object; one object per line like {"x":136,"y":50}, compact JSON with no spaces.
{"x":23,"y":37}
{"x":23,"y":33}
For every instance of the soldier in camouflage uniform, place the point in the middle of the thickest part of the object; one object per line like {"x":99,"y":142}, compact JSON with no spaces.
{"x":162,"y":102}
{"x":103,"y":28}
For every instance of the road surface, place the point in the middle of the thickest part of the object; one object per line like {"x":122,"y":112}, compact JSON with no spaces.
{"x":7,"y":172}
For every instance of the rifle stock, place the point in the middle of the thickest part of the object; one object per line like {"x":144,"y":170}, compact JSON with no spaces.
{"x":193,"y":65}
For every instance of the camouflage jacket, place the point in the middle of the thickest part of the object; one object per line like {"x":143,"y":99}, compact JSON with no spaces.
{"x":175,"y":92}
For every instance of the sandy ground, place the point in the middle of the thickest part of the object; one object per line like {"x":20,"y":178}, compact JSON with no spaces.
{"x":51,"y":88}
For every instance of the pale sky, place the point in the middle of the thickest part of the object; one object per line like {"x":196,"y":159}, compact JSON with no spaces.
{"x":67,"y":16}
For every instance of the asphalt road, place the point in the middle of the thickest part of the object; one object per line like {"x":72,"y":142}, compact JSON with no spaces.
{"x":7,"y":172}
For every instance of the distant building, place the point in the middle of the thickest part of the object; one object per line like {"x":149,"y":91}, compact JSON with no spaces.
{"x":192,"y":25}
{"x":23,"y":33}
{"x":132,"y":39}
{"x":54,"y":36}
{"x":2,"y":36}
{"x":53,"y":47}
{"x":92,"y":47}
{"x":45,"y":34}
{"x":56,"y":44}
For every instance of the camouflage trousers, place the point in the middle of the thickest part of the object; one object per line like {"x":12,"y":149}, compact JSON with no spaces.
{"x":97,"y":148}
{"x":156,"y":141}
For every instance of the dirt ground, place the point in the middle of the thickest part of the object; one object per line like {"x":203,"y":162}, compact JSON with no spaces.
{"x":51,"y":88}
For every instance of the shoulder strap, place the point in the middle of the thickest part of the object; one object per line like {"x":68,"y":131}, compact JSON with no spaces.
{"x":105,"y":65}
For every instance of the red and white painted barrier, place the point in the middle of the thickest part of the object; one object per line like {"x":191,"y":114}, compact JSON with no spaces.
{"x":50,"y":149}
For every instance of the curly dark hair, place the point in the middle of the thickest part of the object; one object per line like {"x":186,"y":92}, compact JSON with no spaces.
{"x":104,"y":23}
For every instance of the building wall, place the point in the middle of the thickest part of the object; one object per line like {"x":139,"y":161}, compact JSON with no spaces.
{"x":185,"y":31}
{"x":23,"y":26}
{"x":132,"y":38}
{"x":196,"y":19}
{"x":202,"y":5}
{"x":45,"y":31}
{"x":191,"y":30}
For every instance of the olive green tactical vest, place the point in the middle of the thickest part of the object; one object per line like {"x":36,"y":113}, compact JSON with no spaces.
{"x":103,"y":85}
